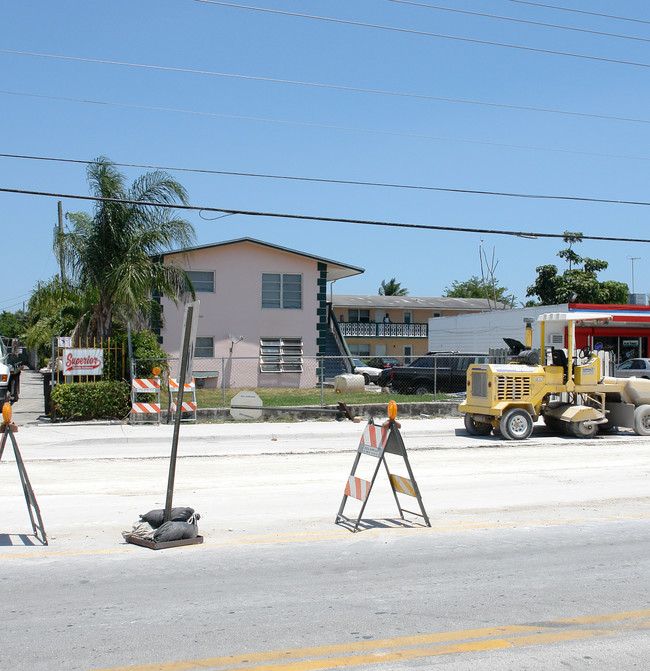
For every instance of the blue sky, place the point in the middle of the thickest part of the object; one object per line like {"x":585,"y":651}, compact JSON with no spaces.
{"x":234,"y":124}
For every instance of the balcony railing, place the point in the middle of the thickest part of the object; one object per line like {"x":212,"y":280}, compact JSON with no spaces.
{"x":381,"y":330}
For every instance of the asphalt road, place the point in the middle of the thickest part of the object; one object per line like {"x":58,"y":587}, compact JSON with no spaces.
{"x":531,"y":596}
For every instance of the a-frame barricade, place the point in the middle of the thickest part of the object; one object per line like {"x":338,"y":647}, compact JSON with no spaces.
{"x":30,"y":498}
{"x":145,"y":411}
{"x":376,"y":442}
{"x":189,"y":405}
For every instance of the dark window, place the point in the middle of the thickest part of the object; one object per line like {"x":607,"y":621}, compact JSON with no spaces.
{"x":359,"y":316}
{"x":204,"y":347}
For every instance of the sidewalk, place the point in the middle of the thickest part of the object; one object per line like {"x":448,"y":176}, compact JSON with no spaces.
{"x":40,"y":439}
{"x":99,"y":440}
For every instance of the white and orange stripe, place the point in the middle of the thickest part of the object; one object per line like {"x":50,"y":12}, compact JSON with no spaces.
{"x":186,"y":406}
{"x":144,"y":385}
{"x":357,"y":488}
{"x":188,"y":386}
{"x":146,"y":408}
{"x":373,"y":440}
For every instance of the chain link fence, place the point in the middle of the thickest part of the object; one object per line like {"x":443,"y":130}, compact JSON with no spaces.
{"x":223,"y":377}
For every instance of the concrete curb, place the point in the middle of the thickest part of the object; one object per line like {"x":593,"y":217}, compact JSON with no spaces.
{"x":365,"y":411}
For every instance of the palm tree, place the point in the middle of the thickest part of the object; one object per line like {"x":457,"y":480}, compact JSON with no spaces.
{"x":56,"y":307}
{"x":113,"y":251}
{"x":392,"y":288}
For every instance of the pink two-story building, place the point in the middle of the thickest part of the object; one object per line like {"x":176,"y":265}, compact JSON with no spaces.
{"x":264,"y":316}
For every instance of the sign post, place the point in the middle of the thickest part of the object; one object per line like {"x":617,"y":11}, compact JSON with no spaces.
{"x":187,"y":354}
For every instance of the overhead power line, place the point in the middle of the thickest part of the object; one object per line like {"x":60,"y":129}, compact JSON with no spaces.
{"x":322,"y":180}
{"x":296,"y":82}
{"x":423,"y":33}
{"x":517,"y":20}
{"x":579,"y":11}
{"x":306,"y":217}
{"x":307,"y":124}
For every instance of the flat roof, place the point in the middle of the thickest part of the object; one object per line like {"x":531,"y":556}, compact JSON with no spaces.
{"x":414,"y":302}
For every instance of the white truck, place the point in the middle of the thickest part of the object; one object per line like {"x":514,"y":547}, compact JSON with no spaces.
{"x":9,"y":374}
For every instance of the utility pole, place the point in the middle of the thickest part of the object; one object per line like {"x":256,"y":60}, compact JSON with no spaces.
{"x":61,"y":261}
{"x":633,"y":259}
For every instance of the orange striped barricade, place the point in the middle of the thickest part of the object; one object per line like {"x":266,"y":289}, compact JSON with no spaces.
{"x":149,"y":410}
{"x":189,"y":405}
{"x":377,"y":442}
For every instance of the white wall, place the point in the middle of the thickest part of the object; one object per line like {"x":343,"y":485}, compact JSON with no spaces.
{"x":484,"y":330}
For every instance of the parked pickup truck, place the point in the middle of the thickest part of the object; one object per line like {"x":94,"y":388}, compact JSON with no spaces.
{"x":437,"y":371}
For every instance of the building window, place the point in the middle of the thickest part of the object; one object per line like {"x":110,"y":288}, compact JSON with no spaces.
{"x":361,"y":351}
{"x":282,"y":290}
{"x":202,"y":280}
{"x":281,"y":355}
{"x":408,"y":354}
{"x":359,"y":316}
{"x":204,"y":347}
{"x":408,"y":317}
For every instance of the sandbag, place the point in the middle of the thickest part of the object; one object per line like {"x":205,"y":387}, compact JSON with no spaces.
{"x":142,"y":530}
{"x":175,"y":531}
{"x":156,"y":517}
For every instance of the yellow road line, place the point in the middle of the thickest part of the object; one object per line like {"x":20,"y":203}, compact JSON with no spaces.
{"x":410,"y":647}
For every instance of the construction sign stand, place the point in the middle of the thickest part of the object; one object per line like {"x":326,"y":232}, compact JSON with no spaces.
{"x":147,"y":411}
{"x":376,"y":442}
{"x":8,"y":429}
{"x":188,"y":407}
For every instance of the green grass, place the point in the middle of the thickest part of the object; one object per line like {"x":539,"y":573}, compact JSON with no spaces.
{"x":213,"y":398}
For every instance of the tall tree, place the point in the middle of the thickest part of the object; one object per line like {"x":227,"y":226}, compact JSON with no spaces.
{"x":579,"y":279}
{"x":112,"y":251}
{"x":392,"y":288}
{"x":474,"y":287}
{"x":12,"y":324}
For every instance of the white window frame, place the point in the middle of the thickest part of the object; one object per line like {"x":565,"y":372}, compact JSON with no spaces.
{"x":198,"y":288}
{"x":281,"y":355}
{"x":281,"y":293}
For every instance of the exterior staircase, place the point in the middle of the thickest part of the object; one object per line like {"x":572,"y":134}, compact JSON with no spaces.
{"x":337,"y":359}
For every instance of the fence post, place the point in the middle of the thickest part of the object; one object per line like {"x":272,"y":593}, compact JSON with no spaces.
{"x":322,"y":373}
{"x":130,"y":346}
{"x":223,"y":382}
{"x":435,"y":376}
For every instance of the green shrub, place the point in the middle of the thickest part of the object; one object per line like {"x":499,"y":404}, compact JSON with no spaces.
{"x":147,"y":353}
{"x":91,"y":400}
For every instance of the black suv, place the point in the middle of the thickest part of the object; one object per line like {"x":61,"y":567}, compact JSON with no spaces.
{"x":437,"y":371}
{"x":383,"y":362}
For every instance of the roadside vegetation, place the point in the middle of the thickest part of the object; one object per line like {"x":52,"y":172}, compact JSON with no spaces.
{"x":213,"y":398}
